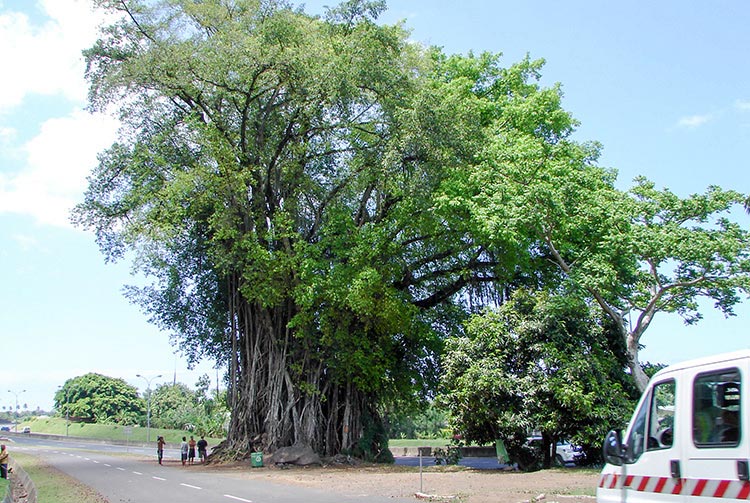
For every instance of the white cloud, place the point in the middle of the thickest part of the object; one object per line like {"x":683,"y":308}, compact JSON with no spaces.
{"x":7,"y":135}
{"x":26,"y":242}
{"x":46,"y":59}
{"x":694,"y":121}
{"x":58,"y":160}
{"x":742,"y":105}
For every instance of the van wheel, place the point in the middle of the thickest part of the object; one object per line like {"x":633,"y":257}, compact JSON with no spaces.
{"x":559,"y":460}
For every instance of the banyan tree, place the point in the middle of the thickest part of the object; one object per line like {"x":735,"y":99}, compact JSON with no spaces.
{"x":283,"y":180}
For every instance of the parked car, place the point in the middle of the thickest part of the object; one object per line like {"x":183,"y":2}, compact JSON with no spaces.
{"x":565,"y":452}
{"x":27,"y":429}
{"x":5,"y":428}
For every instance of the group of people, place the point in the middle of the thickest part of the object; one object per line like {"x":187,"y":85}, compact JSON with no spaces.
{"x":187,"y":449}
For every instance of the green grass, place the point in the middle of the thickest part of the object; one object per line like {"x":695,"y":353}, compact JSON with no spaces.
{"x":54,"y":486}
{"x":3,"y":488}
{"x":56,"y":426}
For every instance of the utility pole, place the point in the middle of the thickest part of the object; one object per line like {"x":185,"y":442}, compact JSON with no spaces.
{"x":16,"y":393}
{"x":148,"y":404}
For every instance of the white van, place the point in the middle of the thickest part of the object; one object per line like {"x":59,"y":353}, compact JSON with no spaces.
{"x":688,"y":440}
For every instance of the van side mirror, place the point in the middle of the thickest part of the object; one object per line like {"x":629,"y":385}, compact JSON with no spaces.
{"x":614,"y":453}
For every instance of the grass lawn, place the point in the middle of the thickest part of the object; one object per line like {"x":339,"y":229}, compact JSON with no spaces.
{"x":54,"y":486}
{"x":3,"y":488}
{"x":56,"y":426}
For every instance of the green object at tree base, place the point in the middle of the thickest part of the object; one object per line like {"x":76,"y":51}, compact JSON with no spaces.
{"x":256,"y":459}
{"x":502,"y":454}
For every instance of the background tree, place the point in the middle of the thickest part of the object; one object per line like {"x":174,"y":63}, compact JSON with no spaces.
{"x":176,"y":406}
{"x":539,"y":363}
{"x":427,"y":421}
{"x":634,"y":253}
{"x":173,"y":406}
{"x":101,"y":399}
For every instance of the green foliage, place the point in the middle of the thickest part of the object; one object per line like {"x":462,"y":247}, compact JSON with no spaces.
{"x":373,"y":444}
{"x":175,"y":406}
{"x":428,"y":423}
{"x":97,"y":398}
{"x":539,"y":363}
{"x":543,"y":198}
{"x":448,"y":455}
{"x":277,"y":177}
{"x":652,"y":368}
{"x":321,"y":203}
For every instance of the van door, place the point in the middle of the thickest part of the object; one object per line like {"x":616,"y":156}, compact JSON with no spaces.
{"x":651,"y":471}
{"x":716,"y":450}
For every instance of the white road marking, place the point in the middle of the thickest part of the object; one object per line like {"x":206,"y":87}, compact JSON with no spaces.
{"x":121,"y":469}
{"x":138,"y":473}
{"x":191,"y":487}
{"x":107,"y":464}
{"x":238,"y":499}
{"x":157,"y":478}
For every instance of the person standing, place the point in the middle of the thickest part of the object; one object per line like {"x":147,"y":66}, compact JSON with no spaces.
{"x":160,"y":448}
{"x":191,"y":450}
{"x":184,"y":451}
{"x":3,"y":462}
{"x":202,"y":446}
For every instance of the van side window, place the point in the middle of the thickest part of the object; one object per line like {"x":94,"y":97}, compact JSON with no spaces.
{"x":716,"y":409}
{"x":653,"y":424}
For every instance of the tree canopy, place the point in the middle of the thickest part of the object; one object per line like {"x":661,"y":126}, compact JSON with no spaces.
{"x":176,"y":406}
{"x":320,"y":202}
{"x":97,"y":398}
{"x":276,"y":176}
{"x":538,"y":363}
{"x":634,"y":253}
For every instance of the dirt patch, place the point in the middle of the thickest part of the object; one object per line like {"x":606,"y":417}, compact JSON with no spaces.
{"x":464,"y":485}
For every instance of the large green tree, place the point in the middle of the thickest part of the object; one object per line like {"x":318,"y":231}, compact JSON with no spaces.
{"x":276,"y":176}
{"x":539,"y":363}
{"x":97,"y":398}
{"x":634,"y":253}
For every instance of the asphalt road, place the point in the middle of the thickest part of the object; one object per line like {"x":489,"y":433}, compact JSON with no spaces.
{"x":140,"y":479}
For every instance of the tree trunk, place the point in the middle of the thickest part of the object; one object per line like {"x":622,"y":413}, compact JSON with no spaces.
{"x":548,"y":445}
{"x":283,"y":394}
{"x":639,"y":376}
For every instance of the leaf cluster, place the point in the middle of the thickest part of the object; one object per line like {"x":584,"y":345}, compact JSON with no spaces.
{"x":538,"y":363}
{"x":96,"y":398}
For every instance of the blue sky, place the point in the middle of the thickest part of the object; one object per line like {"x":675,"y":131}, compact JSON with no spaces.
{"x":664,"y":86}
